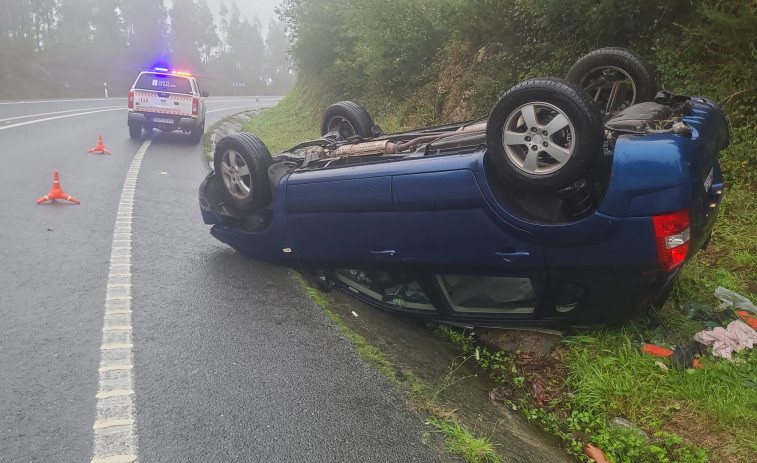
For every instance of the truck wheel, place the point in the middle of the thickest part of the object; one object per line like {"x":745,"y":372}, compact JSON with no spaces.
{"x":197,"y":133}
{"x":241,"y":162}
{"x":347,"y":119}
{"x":543,"y":134}
{"x":135,"y":130}
{"x":615,"y":77}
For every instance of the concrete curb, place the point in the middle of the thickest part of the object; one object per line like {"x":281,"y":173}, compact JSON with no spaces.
{"x":229,"y":127}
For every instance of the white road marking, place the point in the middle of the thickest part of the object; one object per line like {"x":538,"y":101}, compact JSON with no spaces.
{"x":232,"y":107}
{"x":56,"y":112}
{"x":116,"y":459}
{"x":60,"y":101}
{"x":19,"y":124}
{"x":115,"y":427}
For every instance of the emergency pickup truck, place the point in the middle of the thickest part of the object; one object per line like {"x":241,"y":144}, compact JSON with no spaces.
{"x":166,"y":100}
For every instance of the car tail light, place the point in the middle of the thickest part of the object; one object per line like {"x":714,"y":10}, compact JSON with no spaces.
{"x":131,"y":100}
{"x":672,"y":236}
{"x":195,"y":105}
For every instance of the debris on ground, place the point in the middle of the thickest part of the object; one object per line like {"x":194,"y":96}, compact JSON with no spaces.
{"x":730,"y":298}
{"x":736,"y":337}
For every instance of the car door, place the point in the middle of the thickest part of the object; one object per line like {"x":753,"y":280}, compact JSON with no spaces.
{"x":340,"y":221}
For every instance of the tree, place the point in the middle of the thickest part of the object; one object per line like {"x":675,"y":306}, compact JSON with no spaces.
{"x":185,"y":35}
{"x":73,"y":31}
{"x":145,"y":27}
{"x":209,"y":41}
{"x":278,"y":73}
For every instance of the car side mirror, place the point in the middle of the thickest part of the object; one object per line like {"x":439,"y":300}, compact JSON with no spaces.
{"x":205,"y":94}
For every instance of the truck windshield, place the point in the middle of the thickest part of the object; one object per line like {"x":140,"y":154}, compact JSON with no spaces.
{"x":164,"y":83}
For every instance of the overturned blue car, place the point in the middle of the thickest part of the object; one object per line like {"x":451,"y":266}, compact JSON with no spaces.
{"x":576,"y":200}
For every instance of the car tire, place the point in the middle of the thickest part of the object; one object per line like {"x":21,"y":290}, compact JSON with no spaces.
{"x":135,"y":130}
{"x":615,"y":77}
{"x":543,"y":134}
{"x":197,"y":133}
{"x":241,"y":162}
{"x":348,"y":119}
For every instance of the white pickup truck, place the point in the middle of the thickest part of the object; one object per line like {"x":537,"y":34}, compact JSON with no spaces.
{"x":168,"y":101}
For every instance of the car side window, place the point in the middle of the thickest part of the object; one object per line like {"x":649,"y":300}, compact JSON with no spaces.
{"x":488,"y":294}
{"x":389,"y":288}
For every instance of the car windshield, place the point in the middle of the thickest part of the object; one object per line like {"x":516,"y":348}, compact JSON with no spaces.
{"x":164,"y":83}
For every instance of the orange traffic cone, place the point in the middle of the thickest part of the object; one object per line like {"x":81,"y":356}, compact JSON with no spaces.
{"x":99,"y":148}
{"x":56,"y":193}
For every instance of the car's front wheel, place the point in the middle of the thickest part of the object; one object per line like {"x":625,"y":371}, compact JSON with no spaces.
{"x":543,"y":134}
{"x":241,"y":162}
{"x":135,"y":130}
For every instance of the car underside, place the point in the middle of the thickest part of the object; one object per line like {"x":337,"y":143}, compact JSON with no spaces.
{"x":574,"y":201}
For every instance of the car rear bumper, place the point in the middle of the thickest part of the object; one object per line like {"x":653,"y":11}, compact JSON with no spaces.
{"x":177,"y":122}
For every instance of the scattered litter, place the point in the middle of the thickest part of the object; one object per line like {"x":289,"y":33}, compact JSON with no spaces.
{"x":730,"y":298}
{"x":662,"y":365}
{"x":354,"y":313}
{"x":736,"y":337}
{"x":682,"y":357}
{"x":620,"y":422}
{"x":595,"y":454}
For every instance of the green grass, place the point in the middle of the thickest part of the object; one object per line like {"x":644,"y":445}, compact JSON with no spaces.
{"x":292,"y":121}
{"x":461,"y":442}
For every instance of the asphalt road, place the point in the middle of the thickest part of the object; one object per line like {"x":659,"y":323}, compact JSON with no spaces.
{"x":226,"y":358}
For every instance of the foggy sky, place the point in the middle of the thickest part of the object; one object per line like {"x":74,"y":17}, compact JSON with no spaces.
{"x":264,"y":9}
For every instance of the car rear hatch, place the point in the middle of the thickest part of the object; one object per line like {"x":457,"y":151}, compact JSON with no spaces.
{"x":164,"y":94}
{"x":681,"y":172}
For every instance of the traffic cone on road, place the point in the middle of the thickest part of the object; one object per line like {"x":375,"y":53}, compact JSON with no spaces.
{"x":56,"y":193}
{"x":99,"y":148}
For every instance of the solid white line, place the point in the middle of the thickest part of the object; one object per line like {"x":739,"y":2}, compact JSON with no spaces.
{"x":233,"y":107}
{"x":116,"y":380}
{"x":60,"y":101}
{"x":56,"y":112}
{"x":19,"y":124}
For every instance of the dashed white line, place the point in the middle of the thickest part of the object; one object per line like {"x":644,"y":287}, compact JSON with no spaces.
{"x":115,"y":426}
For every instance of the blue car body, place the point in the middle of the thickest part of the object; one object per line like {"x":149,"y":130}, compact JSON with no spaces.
{"x":427,"y":224}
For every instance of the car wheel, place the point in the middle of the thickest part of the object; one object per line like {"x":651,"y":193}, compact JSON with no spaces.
{"x":543,"y":134}
{"x":135,"y":130}
{"x":241,"y":162}
{"x":615,"y":77}
{"x":347,"y":119}
{"x":197,"y":133}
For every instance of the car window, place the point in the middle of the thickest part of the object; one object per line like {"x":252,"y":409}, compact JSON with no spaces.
{"x":391,"y":289}
{"x":488,"y":294}
{"x":164,"y":83}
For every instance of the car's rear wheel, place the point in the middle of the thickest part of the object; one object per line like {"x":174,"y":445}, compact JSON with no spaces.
{"x":135,"y":130}
{"x":197,"y":133}
{"x":346,"y":119}
{"x":615,"y":77}
{"x":241,"y":162}
{"x":543,"y":134}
